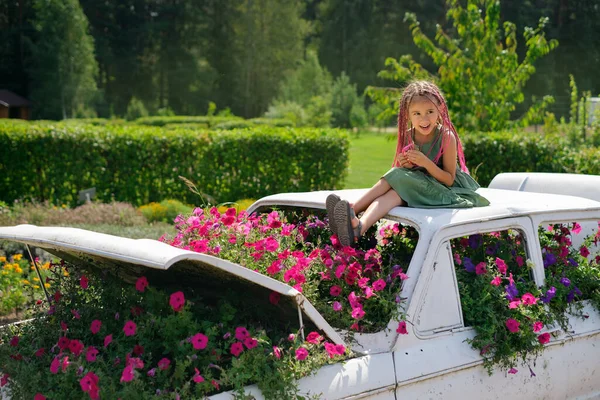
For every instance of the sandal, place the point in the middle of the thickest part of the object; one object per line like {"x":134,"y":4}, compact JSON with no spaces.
{"x":330,"y":203}
{"x":343,"y":215}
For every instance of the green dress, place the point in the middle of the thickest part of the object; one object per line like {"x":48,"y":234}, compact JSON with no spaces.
{"x":419,"y":189}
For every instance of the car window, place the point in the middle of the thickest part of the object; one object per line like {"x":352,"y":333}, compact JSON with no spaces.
{"x":490,"y":264}
{"x":571,"y":257}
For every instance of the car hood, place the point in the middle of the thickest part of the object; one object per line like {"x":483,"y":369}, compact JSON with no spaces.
{"x":167,"y":265}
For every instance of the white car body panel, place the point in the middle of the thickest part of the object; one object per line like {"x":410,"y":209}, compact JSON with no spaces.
{"x":434,"y":360}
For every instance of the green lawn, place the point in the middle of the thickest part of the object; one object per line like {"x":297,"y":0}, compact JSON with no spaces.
{"x":371,"y":156}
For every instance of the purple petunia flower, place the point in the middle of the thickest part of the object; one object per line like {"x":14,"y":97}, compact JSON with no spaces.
{"x":574,"y":292}
{"x":565,"y":281}
{"x":511,"y":292}
{"x":550,"y":293}
{"x":475,"y":241}
{"x":469,"y":267}
{"x":573,"y":262}
{"x":549,"y":259}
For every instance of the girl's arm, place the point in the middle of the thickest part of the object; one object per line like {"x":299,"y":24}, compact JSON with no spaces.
{"x":445,"y":175}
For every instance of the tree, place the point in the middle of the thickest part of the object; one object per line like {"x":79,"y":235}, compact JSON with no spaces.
{"x":308,"y":80}
{"x":478,"y":70}
{"x":63,"y":67}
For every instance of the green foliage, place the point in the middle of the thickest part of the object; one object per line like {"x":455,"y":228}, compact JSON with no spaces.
{"x":478,"y":69}
{"x":186,"y":119}
{"x":290,"y":111}
{"x":64,"y":68}
{"x":135,"y":109}
{"x":165,"y":211}
{"x":20,"y":285}
{"x":308,"y":80}
{"x":50,"y":161}
{"x":346,"y":104}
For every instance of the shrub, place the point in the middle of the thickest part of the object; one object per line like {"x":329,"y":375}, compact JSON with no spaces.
{"x":185,"y":119}
{"x":345,"y":102}
{"x":138,"y":165}
{"x":135,"y":109}
{"x":233,"y":125}
{"x":165,"y":211}
{"x":288,"y":110}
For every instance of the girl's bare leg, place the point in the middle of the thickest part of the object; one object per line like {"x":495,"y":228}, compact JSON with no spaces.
{"x":379,"y":189}
{"x":378,"y":209}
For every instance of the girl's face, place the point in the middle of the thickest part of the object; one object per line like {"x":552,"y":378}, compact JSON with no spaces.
{"x":423,"y":115}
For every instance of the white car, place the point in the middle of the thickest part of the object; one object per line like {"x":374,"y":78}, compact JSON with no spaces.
{"x":434,"y":360}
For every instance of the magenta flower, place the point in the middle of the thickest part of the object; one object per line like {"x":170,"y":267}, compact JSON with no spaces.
{"x":513,"y":371}
{"x":89,"y":382}
{"x":358,"y":313}
{"x":544,"y":338}
{"x":337,"y":306}
{"x":141,"y":284}
{"x":514,"y":304}
{"x":76,"y":314}
{"x":127,"y":375}
{"x":63,"y":326}
{"x":83,"y":282}
{"x":164,"y":363}
{"x":177,"y":301}
{"x":501,"y":266}
{"x":4,"y":379}
{"x":250,"y":343}
{"x":91,"y":354}
{"x":480,"y":268}
{"x":199,"y":341}
{"x":129,"y":328}
{"x":584,"y":251}
{"x":301,"y":353}
{"x":314,"y":338}
{"x":95,"y":326}
{"x":529,"y":299}
{"x":197,"y":377}
{"x":55,"y":365}
{"x":39,"y":396}
{"x":277,"y":352}
{"x":40,"y":352}
{"x":138,"y":350}
{"x":335,"y":291}
{"x":402,"y":328}
{"x":512,"y":325}
{"x":519,"y":260}
{"x":237,"y":348}
{"x":379,"y":285}
{"x":330,"y":348}
{"x":14,"y":342}
{"x":291,"y":337}
{"x":107,"y":340}
{"x":537,"y":326}
{"x":496,"y":281}
{"x":576,"y":228}
{"x":274,"y":268}
{"x":64,"y":364}
{"x":241,"y":333}
{"x":76,"y":347}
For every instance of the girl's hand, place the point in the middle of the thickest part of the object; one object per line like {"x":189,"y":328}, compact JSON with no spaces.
{"x":403,"y":161}
{"x":416,"y":157}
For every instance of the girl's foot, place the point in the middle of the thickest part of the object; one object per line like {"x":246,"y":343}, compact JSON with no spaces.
{"x":344,"y":218}
{"x":330,"y":204}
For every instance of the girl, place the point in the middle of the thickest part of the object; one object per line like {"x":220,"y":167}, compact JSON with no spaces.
{"x":424,"y":172}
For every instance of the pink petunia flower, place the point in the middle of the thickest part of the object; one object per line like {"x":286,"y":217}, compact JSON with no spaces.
{"x":331,"y":350}
{"x":55,"y":365}
{"x":379,"y":285}
{"x":337,"y":306}
{"x":537,"y":326}
{"x":241,"y":333}
{"x":164,"y":363}
{"x":95,"y":326}
{"x":199,"y":341}
{"x":513,"y":371}
{"x":128,"y":374}
{"x":91,"y":354}
{"x":76,"y":347}
{"x":250,"y":343}
{"x":519,"y":261}
{"x":480,"y":268}
{"x":529,"y":299}
{"x":138,"y":350}
{"x":496,"y":281}
{"x":40,"y":352}
{"x":64,"y":364}
{"x":584,"y":251}
{"x":576,"y":228}
{"x":107,"y":340}
{"x":4,"y":379}
{"x":501,"y":266}
{"x":197,"y":377}
{"x":39,"y":396}
{"x":89,"y":383}
{"x":514,"y":304}
{"x":129,"y":328}
{"x":358,"y":313}
{"x":14,"y":342}
{"x":301,"y":353}
{"x":544,"y":338}
{"x":63,"y":326}
{"x":141,"y":284}
{"x":277,"y":352}
{"x":335,"y":290}
{"x":83,"y":282}
{"x":177,"y":301}
{"x":314,"y":338}
{"x":236,"y":348}
{"x":274,"y":298}
{"x":402,"y":328}
{"x":512,"y":325}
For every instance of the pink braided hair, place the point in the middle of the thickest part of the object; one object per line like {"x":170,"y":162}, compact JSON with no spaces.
{"x":431,"y":92}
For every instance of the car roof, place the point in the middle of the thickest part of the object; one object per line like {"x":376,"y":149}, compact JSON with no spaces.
{"x":503,"y":204}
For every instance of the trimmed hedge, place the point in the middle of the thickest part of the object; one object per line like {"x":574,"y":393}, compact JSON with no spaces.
{"x":183,"y":119}
{"x":498,"y":152}
{"x":140,"y":165}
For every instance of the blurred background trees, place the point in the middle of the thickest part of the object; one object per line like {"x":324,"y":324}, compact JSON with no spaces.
{"x":300,"y":57}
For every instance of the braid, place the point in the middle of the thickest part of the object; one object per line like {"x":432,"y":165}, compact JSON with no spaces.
{"x":431,"y":92}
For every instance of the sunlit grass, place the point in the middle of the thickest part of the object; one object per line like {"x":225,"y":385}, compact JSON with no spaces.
{"x":371,"y":156}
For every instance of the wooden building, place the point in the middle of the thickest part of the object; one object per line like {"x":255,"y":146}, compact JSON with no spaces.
{"x":14,"y":106}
